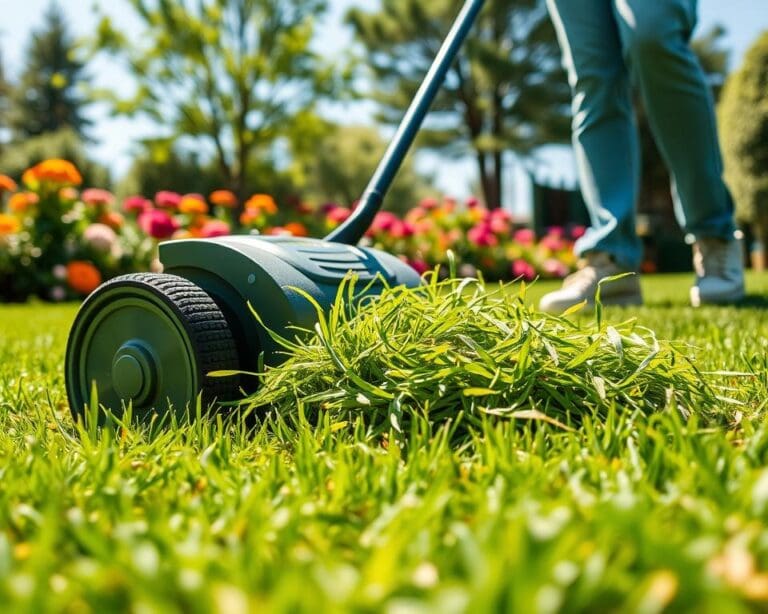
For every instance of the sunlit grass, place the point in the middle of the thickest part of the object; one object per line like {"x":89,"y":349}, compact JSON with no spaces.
{"x":629,"y":509}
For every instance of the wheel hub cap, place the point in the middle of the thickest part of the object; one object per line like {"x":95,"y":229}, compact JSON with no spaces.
{"x":133,"y":372}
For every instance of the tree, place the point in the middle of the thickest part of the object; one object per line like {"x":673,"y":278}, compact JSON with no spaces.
{"x":5,"y":88}
{"x":47,"y":97}
{"x":743,"y":115}
{"x":506,"y":91}
{"x":227,"y":77}
{"x":64,"y":143}
{"x":349,"y":157}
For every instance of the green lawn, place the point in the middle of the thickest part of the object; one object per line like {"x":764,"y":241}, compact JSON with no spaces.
{"x":631,"y":512}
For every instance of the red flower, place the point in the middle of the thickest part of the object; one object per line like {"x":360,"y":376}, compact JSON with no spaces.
{"x":158,"y":224}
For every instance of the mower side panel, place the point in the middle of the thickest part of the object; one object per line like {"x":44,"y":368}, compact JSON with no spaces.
{"x":266,"y":272}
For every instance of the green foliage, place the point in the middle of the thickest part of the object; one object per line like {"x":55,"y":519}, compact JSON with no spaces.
{"x":343,"y":164}
{"x":635,"y":512}
{"x":506,"y":92}
{"x":46,"y":97}
{"x":229,"y":75}
{"x":743,"y":115}
{"x":64,"y":144}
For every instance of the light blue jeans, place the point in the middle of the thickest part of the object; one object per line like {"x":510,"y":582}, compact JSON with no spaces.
{"x":608,"y":45}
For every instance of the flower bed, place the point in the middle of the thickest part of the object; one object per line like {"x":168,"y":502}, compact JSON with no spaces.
{"x":59,"y":243}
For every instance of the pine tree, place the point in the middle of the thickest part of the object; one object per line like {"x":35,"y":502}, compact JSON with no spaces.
{"x":506,"y":92}
{"x":46,"y":97}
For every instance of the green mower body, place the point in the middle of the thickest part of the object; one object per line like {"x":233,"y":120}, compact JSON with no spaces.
{"x":271,"y":275}
{"x":152,"y":339}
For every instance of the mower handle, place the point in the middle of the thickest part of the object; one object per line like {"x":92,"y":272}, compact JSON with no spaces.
{"x":354,"y":227}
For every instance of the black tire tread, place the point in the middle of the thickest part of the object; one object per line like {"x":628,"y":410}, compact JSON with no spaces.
{"x":205,"y":324}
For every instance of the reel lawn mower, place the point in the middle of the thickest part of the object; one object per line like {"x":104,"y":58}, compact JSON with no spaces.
{"x":151,"y":340}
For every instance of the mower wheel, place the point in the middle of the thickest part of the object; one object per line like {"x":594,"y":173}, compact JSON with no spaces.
{"x":150,"y":340}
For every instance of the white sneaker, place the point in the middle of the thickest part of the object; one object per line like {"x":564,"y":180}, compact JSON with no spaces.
{"x":719,"y":266}
{"x":582,"y":285}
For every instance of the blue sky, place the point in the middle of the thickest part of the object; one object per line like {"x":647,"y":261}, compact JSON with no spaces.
{"x":743,"y":19}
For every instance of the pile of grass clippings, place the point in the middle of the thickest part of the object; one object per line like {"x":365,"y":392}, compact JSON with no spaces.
{"x":452,"y":349}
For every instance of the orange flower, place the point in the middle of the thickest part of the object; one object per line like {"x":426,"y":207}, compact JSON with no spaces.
{"x":262,"y":202}
{"x":8,"y":224}
{"x":7,"y":184}
{"x":68,"y":194}
{"x":113,"y":219}
{"x":21,"y":201}
{"x":297,"y":229}
{"x":223,"y":198}
{"x":249,"y":217}
{"x":82,"y":276}
{"x":55,"y":171}
{"x":193,"y":203}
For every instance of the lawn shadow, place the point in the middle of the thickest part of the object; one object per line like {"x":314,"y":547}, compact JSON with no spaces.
{"x":753,"y":301}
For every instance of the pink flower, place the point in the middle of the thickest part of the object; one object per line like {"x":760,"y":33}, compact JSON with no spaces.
{"x":524,"y":236}
{"x":136,"y":204}
{"x":578,"y":231}
{"x":554,"y":268}
{"x":167,"y":200}
{"x":428,"y":203}
{"x":401,"y":229}
{"x":338,"y":214}
{"x":97,"y":196}
{"x":214,"y":228}
{"x":482,"y":236}
{"x":158,"y":224}
{"x":473,"y":202}
{"x":522,"y":269}
{"x":556,"y":231}
{"x":552,"y":242}
{"x":384,"y":221}
{"x":499,"y":225}
{"x":100,"y":237}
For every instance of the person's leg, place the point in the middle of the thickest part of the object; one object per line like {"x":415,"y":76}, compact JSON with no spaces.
{"x":655,"y":40}
{"x":607,"y":153}
{"x":604,"y":132}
